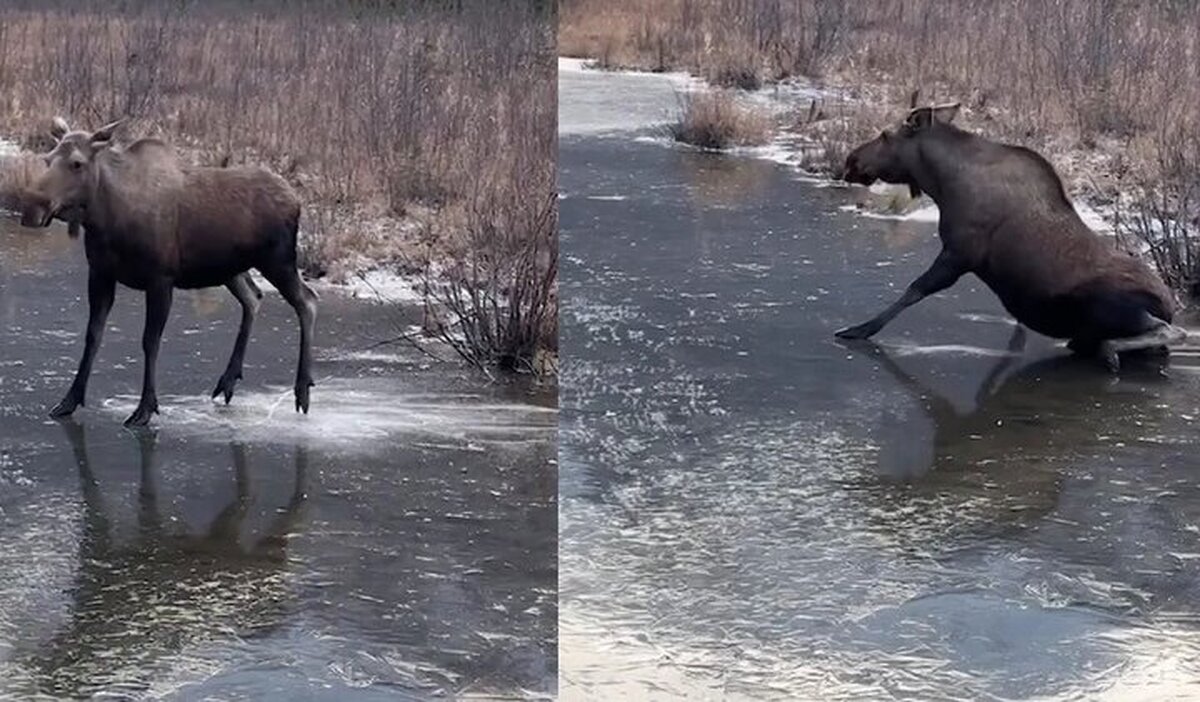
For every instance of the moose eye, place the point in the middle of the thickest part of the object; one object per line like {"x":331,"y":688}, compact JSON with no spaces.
{"x":76,"y":165}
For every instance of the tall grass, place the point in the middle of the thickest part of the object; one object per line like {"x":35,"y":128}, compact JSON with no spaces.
{"x":389,"y":118}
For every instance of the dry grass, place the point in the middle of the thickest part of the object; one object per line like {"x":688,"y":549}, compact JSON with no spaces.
{"x":833,"y":128}
{"x":716,"y":120}
{"x":730,"y":42}
{"x":1083,"y":80}
{"x":389,"y":118}
{"x":17,"y":172}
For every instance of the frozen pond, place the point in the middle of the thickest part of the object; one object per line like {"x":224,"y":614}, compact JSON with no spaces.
{"x":398,"y":542}
{"x":752,"y":510}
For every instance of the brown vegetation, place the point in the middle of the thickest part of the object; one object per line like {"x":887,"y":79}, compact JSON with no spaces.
{"x":17,"y":172}
{"x":391,"y":119}
{"x":1083,"y":80}
{"x":716,"y":120}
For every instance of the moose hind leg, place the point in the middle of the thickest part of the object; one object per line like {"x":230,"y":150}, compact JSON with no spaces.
{"x":1119,"y":321}
{"x":1154,"y":341}
{"x":286,"y":279}
{"x":249,"y":296}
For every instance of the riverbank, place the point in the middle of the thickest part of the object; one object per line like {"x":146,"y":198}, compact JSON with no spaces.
{"x":803,"y":136}
{"x":1107,"y":93}
{"x":422,"y":148}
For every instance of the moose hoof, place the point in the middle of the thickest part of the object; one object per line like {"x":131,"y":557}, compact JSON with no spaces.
{"x":1109,"y":356}
{"x":65,"y":407}
{"x":302,"y":389}
{"x":141,"y":415}
{"x":225,"y":386}
{"x":862,"y":331}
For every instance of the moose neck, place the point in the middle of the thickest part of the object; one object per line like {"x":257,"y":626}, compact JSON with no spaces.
{"x":932,"y":160}
{"x":104,"y":191}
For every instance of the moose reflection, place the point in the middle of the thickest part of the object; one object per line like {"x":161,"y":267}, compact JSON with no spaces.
{"x":1049,"y":406}
{"x":1004,"y":453}
{"x":137,"y":601}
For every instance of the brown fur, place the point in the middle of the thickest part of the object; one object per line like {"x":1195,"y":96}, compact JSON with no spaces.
{"x":154,"y":224}
{"x":1005,"y":217}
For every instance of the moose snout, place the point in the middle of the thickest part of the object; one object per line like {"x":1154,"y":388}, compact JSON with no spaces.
{"x":853,"y":172}
{"x":36,"y":211}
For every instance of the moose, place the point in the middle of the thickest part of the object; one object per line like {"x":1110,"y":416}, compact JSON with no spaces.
{"x":1005,"y":216}
{"x":154,"y":224}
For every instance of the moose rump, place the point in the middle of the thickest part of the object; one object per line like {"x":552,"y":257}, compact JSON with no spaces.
{"x":154,"y":224}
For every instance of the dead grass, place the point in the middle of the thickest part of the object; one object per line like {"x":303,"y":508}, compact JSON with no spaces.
{"x":16,"y":173}
{"x":834,"y":127}
{"x":387,"y":117}
{"x":716,"y":120}
{"x":730,"y":42}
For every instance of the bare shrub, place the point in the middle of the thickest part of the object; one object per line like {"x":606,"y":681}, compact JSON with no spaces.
{"x":716,"y":120}
{"x":1161,"y":210}
{"x":498,"y":300}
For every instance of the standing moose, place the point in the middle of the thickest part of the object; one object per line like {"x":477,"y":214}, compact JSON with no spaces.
{"x":1006,"y":218}
{"x":154,"y":224}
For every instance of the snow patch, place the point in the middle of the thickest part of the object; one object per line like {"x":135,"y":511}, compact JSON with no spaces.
{"x":383,"y":286}
{"x":949,"y":350}
{"x":1092,"y":217}
{"x":9,"y":147}
{"x":589,"y":66}
{"x":927,"y":213}
{"x":567,"y":64}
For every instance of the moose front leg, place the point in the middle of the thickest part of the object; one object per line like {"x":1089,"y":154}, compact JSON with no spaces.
{"x":248,"y":295}
{"x":158,"y":307}
{"x":945,"y":271}
{"x":101,"y":290}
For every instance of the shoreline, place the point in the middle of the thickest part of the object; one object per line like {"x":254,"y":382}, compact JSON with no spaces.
{"x":791,"y":147}
{"x":359,"y":277}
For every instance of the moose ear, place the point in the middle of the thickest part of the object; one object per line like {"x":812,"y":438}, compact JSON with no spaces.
{"x":922,"y":117}
{"x":919,"y":117}
{"x":103,"y":135}
{"x":946,"y":113}
{"x":59,"y":128}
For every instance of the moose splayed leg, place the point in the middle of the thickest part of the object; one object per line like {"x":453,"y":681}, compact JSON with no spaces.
{"x":1005,"y":217}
